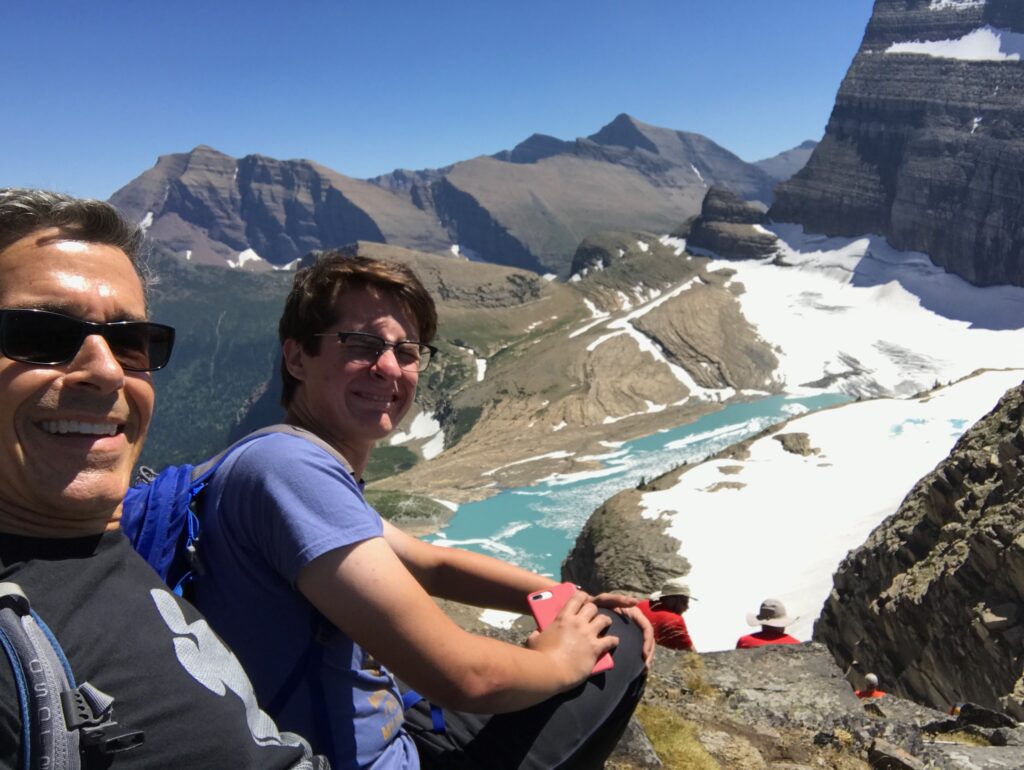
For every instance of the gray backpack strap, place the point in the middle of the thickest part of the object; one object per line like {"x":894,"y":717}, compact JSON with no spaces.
{"x":290,"y":430}
{"x":308,"y":435}
{"x":62,"y":718}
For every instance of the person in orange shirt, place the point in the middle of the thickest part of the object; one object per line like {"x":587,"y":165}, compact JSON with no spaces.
{"x":665,"y":610}
{"x":870,"y":688}
{"x":773,"y":620}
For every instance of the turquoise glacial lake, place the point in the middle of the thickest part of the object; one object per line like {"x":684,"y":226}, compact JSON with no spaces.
{"x":536,"y":526}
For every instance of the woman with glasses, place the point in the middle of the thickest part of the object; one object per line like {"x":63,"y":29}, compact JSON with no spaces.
{"x":322,"y":600}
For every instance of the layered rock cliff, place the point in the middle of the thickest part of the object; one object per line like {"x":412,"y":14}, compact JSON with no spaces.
{"x":932,"y":601}
{"x":925,"y":144}
{"x":215,"y":209}
{"x":528,"y":207}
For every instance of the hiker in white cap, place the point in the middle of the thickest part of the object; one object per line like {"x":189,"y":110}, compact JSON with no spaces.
{"x":773,"y":619}
{"x":870,"y":689}
{"x":665,"y":610}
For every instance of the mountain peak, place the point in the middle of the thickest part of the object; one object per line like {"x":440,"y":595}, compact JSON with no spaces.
{"x":625,"y":131}
{"x":205,"y":149}
{"x":533,"y":148}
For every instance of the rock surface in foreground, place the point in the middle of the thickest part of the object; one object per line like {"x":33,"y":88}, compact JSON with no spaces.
{"x":788,"y":707}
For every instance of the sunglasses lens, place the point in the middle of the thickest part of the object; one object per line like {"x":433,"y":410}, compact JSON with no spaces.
{"x":39,"y":337}
{"x":140,"y":346}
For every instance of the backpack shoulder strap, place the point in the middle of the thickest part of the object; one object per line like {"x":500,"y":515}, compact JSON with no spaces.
{"x":58,"y":718}
{"x":206,"y":469}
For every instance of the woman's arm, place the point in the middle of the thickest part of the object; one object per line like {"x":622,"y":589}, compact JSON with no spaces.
{"x":464,"y":576}
{"x":472,"y":578}
{"x":366,"y":591}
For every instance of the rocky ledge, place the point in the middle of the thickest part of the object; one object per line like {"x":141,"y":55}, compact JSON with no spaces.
{"x":789,"y":707}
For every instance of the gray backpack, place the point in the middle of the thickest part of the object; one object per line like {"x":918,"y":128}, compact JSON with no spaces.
{"x":59,"y":719}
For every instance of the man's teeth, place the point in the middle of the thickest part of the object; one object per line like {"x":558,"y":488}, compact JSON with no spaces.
{"x":73,"y":426}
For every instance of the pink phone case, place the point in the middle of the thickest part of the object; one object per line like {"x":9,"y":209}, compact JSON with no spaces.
{"x":545,"y":605}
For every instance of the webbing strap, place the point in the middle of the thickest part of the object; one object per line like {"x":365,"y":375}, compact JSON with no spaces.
{"x":410,"y":698}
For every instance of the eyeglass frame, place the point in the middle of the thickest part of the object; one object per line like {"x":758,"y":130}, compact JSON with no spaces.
{"x":87,"y":329}
{"x":385,"y":346}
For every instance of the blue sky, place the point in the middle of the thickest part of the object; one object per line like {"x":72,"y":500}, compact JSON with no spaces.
{"x":366,"y":86}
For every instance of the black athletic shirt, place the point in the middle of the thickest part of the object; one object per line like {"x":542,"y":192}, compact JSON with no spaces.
{"x":124,"y":632}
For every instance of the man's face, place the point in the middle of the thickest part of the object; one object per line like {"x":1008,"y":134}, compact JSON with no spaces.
{"x":69,"y":434}
{"x":351,"y":404}
{"x":676,"y":603}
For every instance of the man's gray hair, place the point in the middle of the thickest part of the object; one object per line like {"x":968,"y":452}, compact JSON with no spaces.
{"x":24,"y":211}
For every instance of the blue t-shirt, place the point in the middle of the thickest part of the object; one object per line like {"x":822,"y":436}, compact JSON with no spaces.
{"x":276,"y":504}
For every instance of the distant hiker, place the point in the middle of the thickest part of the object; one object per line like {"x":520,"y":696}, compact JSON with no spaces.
{"x":773,"y":620}
{"x":76,"y":399}
{"x":870,"y":689}
{"x":323,"y":600}
{"x":665,"y":610}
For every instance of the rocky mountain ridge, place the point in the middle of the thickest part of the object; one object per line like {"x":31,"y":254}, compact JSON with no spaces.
{"x":925,"y":143}
{"x":528,"y":207}
{"x":931,"y":601}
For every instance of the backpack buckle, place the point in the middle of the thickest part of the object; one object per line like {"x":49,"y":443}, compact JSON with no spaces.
{"x":90,"y":712}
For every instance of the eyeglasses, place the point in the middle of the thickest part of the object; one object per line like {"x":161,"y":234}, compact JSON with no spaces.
{"x":365,"y":349}
{"x":47,"y":338}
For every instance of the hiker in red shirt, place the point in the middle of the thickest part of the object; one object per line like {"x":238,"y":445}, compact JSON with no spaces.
{"x":773,"y":620}
{"x":870,"y":688}
{"x":665,"y":610}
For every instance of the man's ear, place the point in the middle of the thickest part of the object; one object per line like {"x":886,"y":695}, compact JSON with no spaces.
{"x":294,"y":358}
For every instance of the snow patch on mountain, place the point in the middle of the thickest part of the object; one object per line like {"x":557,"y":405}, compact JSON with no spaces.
{"x":985,"y":44}
{"x":943,"y":5}
{"x":858,"y":316}
{"x":244,"y":258}
{"x":423,"y":426}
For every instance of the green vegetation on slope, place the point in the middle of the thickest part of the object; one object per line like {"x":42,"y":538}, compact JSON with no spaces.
{"x":403,"y":508}
{"x":674,"y":739}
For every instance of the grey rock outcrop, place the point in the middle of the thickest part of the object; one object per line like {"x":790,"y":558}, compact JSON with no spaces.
{"x":931,"y":602}
{"x":728,"y":227}
{"x":926,"y":151}
{"x":784,"y":707}
{"x":619,"y":550}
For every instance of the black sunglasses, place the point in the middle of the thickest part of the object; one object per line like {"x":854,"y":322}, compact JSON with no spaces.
{"x":47,"y":338}
{"x":365,"y":349}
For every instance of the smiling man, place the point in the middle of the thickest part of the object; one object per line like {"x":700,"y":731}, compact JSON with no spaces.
{"x":77,"y":356}
{"x":322,"y":600}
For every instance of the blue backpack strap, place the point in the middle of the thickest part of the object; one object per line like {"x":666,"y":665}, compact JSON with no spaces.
{"x":74,"y":716}
{"x":153,"y":516}
{"x":410,"y":698}
{"x":160,"y":520}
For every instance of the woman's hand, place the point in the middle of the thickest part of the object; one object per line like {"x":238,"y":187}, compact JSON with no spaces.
{"x":575,"y":639}
{"x":626,"y":606}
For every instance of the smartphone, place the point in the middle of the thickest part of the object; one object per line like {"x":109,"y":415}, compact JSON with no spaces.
{"x":545,"y":605}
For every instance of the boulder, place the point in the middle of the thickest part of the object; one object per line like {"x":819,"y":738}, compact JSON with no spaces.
{"x":730,"y":227}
